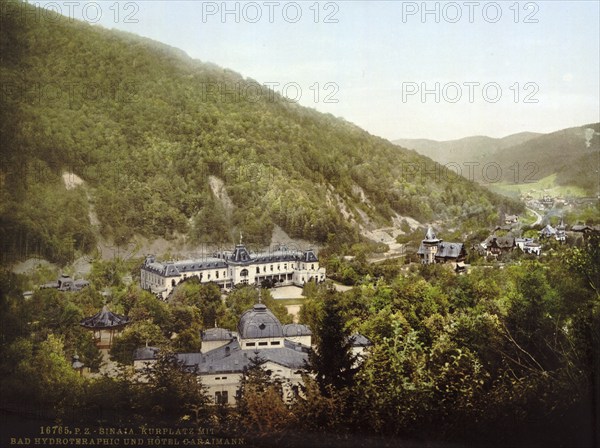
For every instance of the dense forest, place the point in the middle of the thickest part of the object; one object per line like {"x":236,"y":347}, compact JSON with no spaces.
{"x":147,"y":127}
{"x":504,"y":357}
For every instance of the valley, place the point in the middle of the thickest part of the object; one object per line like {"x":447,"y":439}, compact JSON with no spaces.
{"x":178,"y":258}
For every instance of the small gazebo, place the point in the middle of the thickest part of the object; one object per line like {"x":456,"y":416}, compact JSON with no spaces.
{"x":105,"y":325}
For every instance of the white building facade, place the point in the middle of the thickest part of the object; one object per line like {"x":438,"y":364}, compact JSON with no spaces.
{"x":280,"y":267}
{"x":283,"y":351}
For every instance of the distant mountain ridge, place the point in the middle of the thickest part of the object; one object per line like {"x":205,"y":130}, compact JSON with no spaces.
{"x":468,"y":148}
{"x":573,"y":154}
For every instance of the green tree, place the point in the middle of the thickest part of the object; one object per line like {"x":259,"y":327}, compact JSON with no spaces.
{"x":136,"y":335}
{"x":331,"y":359}
{"x":260,"y":404}
{"x":175,"y":393}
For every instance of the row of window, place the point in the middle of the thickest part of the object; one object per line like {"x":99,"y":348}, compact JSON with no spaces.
{"x":154,"y":279}
{"x":312,"y":266}
{"x":201,"y":275}
{"x":157,"y":280}
{"x":262,"y":343}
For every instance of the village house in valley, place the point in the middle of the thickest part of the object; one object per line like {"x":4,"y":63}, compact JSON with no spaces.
{"x":511,"y":219}
{"x":66,"y":283}
{"x":278,"y":267}
{"x":558,"y":233}
{"x":435,"y":250}
{"x":529,"y":246}
{"x":497,"y":245}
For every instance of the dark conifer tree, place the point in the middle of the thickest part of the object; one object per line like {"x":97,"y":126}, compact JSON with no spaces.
{"x":332,"y":360}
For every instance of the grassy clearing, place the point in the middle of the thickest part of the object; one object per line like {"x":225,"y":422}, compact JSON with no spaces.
{"x":544,"y":186}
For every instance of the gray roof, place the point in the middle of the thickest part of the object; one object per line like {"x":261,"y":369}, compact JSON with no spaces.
{"x":523,"y":240}
{"x":548,"y":230}
{"x":580,"y":228}
{"x":502,"y":242}
{"x":259,"y":322}
{"x":239,"y":256}
{"x":358,"y":340}
{"x":104,"y":319}
{"x":145,"y":353}
{"x":430,"y":236}
{"x":176,"y":268}
{"x":281,"y":254}
{"x":66,"y":283}
{"x":231,"y":358}
{"x":445,"y":250}
{"x":449,"y":250}
{"x":217,"y":334}
{"x":309,"y":256}
{"x":290,"y":330}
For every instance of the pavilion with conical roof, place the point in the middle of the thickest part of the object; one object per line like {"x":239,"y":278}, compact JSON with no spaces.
{"x":105,"y":325}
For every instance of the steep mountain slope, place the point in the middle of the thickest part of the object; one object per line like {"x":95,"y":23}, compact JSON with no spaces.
{"x":573,"y":154}
{"x":149,"y":130}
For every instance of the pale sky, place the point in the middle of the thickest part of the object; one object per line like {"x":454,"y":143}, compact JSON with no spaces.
{"x":538,"y":61}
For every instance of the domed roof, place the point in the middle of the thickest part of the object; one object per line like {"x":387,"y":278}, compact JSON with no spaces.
{"x":291,"y":330}
{"x":259,"y":322}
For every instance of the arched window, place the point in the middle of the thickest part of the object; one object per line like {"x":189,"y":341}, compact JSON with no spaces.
{"x":244,"y":273}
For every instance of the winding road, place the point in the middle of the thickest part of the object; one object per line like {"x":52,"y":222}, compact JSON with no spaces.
{"x":538,"y":216}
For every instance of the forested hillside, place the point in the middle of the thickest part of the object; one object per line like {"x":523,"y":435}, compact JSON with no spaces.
{"x":147,"y":128}
{"x":573,"y":154}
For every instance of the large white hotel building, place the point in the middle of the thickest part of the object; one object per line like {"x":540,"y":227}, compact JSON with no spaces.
{"x":228,"y":268}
